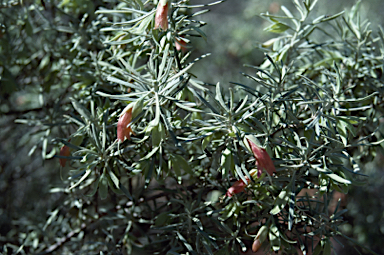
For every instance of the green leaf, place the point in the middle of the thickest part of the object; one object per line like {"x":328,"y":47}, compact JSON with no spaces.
{"x":206,"y":140}
{"x":124,"y":83}
{"x":300,"y":9}
{"x":45,"y":61}
{"x":326,"y":18}
{"x":280,"y":202}
{"x":345,"y":123}
{"x":162,"y":218}
{"x":140,"y":27}
{"x":313,"y":4}
{"x":219,"y":97}
{"x":338,"y":80}
{"x":308,"y":30}
{"x":95,"y":187}
{"x":277,"y":27}
{"x":155,"y":121}
{"x":125,"y":191}
{"x":150,"y":154}
{"x":138,"y":106}
{"x":185,"y":242}
{"x":262,"y":233}
{"x":163,"y":61}
{"x":158,"y":134}
{"x":112,"y":186}
{"x":338,"y":178}
{"x":84,"y":112}
{"x":243,"y":247}
{"x":318,"y":249}
{"x":176,"y":170}
{"x":201,"y":33}
{"x":282,"y":199}
{"x":292,"y":199}
{"x":139,"y":3}
{"x":327,"y":247}
{"x":103,"y":187}
{"x":51,"y":218}
{"x":179,"y":160}
{"x":188,"y":106}
{"x":114,"y":178}
{"x":87,"y":172}
{"x":232,"y":209}
{"x":227,"y":164}
{"x":206,"y":103}
{"x":274,"y":238}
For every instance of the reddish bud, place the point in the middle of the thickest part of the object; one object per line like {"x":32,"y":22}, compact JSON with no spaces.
{"x":237,"y":187}
{"x":64,"y":151}
{"x":256,"y":245}
{"x":122,"y":130}
{"x":180,"y":45}
{"x":260,"y":237}
{"x":263,"y":160}
{"x":161,"y":17}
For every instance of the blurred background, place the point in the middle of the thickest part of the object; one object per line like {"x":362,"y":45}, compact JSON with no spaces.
{"x":234,"y":32}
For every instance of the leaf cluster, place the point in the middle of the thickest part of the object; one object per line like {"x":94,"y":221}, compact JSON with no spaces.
{"x":315,"y":105}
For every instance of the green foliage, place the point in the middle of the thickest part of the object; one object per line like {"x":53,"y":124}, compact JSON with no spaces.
{"x":315,"y":105}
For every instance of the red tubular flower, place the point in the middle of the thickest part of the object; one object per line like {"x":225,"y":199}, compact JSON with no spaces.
{"x":161,"y":17}
{"x":263,"y":161}
{"x":237,"y":187}
{"x":64,"y":151}
{"x":122,"y":130}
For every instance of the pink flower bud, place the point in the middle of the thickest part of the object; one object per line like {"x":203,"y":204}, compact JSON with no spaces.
{"x":64,"y":151}
{"x":260,"y":238}
{"x":263,"y":161}
{"x":122,"y":130}
{"x":180,"y":45}
{"x":237,"y":187}
{"x":256,"y":245}
{"x":161,"y":17}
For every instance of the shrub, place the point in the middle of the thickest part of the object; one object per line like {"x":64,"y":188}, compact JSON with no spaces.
{"x":163,"y":163}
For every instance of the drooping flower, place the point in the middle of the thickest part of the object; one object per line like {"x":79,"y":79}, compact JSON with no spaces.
{"x":123,"y":130}
{"x":161,"y":17}
{"x":237,"y":187}
{"x":64,"y":151}
{"x":263,"y":160}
